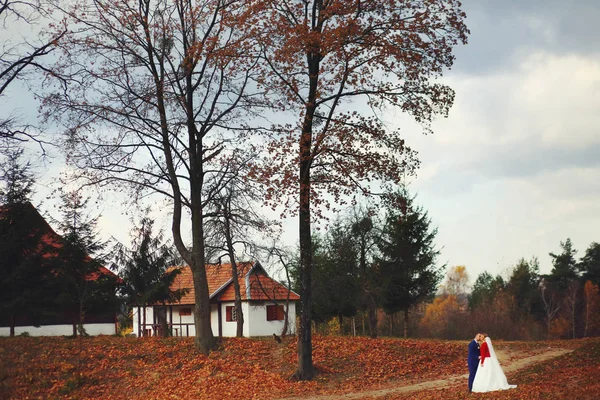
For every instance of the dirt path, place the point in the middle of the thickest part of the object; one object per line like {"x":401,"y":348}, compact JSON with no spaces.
{"x":504,"y":356}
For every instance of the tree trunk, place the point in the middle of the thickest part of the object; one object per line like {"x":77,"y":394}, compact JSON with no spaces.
{"x":392,"y":324}
{"x":286,"y":316}
{"x":239,"y":332}
{"x":372,"y":317}
{"x":286,"y":322}
{"x":363,"y":324}
{"x":406,"y":323}
{"x":12,"y":325}
{"x":573,"y":321}
{"x":144,"y":321}
{"x":587,"y":313}
{"x":161,"y":316}
{"x":305,"y":369}
{"x":80,"y":325}
{"x":204,"y":340}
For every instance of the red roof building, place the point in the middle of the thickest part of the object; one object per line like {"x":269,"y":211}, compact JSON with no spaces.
{"x":99,"y":320}
{"x":264,"y":301}
{"x":255,"y":284}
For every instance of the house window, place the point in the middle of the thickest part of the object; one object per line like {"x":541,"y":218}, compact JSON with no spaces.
{"x":230,"y":314}
{"x":185,"y":312}
{"x":274,"y":312}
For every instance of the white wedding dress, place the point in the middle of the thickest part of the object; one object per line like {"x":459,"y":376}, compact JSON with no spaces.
{"x":489,"y":376}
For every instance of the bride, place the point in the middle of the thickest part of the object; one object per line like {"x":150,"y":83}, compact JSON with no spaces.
{"x":489,"y":376}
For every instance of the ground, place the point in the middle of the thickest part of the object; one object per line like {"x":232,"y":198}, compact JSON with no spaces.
{"x":347,"y":368}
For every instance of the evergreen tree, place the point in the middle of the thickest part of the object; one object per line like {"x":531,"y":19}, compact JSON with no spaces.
{"x":144,"y":269}
{"x":365,"y":233}
{"x":565,"y":266}
{"x":85,"y":286}
{"x":321,"y":303}
{"x":589,"y":265}
{"x":17,"y":178}
{"x":336,"y":282}
{"x":407,"y":256}
{"x":485,"y":289}
{"x":524,"y":284}
{"x":24,"y":278}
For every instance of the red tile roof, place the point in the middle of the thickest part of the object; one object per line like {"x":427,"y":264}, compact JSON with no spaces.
{"x":50,"y":238}
{"x":251,"y":275}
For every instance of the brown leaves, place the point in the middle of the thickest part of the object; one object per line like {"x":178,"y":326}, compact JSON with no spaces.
{"x":119,"y":368}
{"x":114,"y":367}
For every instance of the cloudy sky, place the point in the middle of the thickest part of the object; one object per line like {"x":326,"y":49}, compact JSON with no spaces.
{"x":515,"y":168}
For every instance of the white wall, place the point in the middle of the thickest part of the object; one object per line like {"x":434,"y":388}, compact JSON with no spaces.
{"x":230,"y":327}
{"x":214,"y":319}
{"x":255,"y":320}
{"x":259,"y":326}
{"x":61,"y":330}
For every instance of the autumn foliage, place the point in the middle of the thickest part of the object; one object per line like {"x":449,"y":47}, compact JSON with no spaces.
{"x":152,"y":368}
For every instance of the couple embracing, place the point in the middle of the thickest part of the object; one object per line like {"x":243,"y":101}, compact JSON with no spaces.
{"x":485,"y":372}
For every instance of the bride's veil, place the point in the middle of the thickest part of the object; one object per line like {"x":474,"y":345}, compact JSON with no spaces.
{"x":491,"y":348}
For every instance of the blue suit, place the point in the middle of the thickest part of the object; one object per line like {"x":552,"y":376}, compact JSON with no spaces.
{"x":473,"y":361}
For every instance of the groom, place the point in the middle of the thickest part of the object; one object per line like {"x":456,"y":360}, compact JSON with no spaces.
{"x":473,"y":358}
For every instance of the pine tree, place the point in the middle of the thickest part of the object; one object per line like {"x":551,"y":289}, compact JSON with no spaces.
{"x":144,"y":269}
{"x":523,"y":285}
{"x":336,"y":282}
{"x":589,"y":265}
{"x":485,"y":289}
{"x":408,"y":257}
{"x":364,"y":233}
{"x":24,"y":278}
{"x":85,"y":287}
{"x":564,"y":268}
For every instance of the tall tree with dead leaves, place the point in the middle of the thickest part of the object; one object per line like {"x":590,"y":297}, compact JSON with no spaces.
{"x":320,"y":56}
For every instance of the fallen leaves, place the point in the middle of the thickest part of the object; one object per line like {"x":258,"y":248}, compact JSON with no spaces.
{"x":150,"y":368}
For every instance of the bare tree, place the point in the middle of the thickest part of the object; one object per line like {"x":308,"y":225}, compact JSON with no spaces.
{"x":235,"y":222}
{"x":284,"y":258}
{"x":155,"y":94}
{"x":550,"y":301}
{"x":572,"y":299}
{"x":592,"y":304}
{"x":21,"y":57}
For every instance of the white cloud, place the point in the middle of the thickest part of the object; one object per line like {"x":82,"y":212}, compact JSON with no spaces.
{"x":514,"y":169}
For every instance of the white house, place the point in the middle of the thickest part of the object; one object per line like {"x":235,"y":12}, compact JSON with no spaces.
{"x":263,"y":304}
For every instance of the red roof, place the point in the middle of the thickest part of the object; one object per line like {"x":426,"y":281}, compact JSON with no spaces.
{"x":254,"y":282}
{"x":50,"y":238}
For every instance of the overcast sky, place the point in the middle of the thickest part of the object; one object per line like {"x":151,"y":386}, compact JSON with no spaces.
{"x":515,"y":168}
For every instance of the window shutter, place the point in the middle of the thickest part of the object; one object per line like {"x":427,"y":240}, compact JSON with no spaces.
{"x":274,"y":312}
{"x":270,"y":316}
{"x":228,"y":312}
